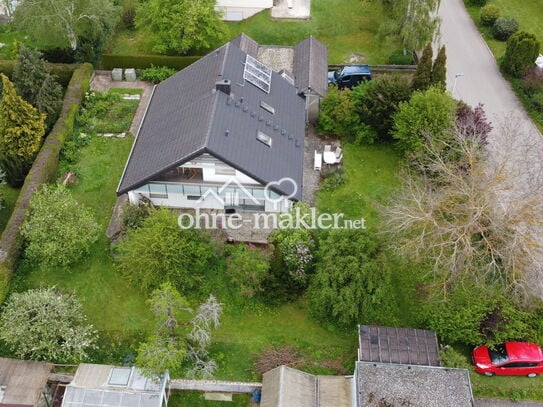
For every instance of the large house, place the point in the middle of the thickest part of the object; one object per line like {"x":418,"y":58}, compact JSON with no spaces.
{"x":227,"y":132}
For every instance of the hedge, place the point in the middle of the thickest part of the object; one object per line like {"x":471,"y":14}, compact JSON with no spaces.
{"x":43,"y":170}
{"x":63,"y":71}
{"x":110,"y":61}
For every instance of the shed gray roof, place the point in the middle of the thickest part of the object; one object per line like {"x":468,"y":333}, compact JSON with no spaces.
{"x":287,"y":387}
{"x":24,"y":381}
{"x":387,"y":384}
{"x":311,"y":66}
{"x":398,"y":345}
{"x":187,"y":116}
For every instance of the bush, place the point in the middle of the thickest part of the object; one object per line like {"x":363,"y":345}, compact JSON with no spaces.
{"x":489,"y":14}
{"x":59,"y":230}
{"x":247,"y":268}
{"x":478,"y":3}
{"x":333,"y":180}
{"x":537,"y":100}
{"x":110,"y":61}
{"x":450,"y":357}
{"x":520,"y":54}
{"x":156,"y":74}
{"x":504,"y":27}
{"x":134,"y":215}
{"x":398,"y":58}
{"x":532,"y":81}
{"x":128,"y":14}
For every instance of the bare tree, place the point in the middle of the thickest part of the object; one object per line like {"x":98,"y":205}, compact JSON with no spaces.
{"x":473,"y":212}
{"x":208,"y":317}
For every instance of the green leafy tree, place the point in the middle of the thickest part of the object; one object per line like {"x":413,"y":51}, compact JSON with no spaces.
{"x":296,"y":247}
{"x":248,"y":267}
{"x":35,"y":83}
{"x":44,"y":324}
{"x":58,"y":230}
{"x":377,"y":101}
{"x":179,"y":340}
{"x":182,"y":26}
{"x":21,"y":131}
{"x":63,"y":23}
{"x":416,"y":22}
{"x":521,"y":52}
{"x":159,"y":250}
{"x":349,"y":286}
{"x":426,"y":115}
{"x":164,"y":350}
{"x":337,"y":115}
{"x":423,"y":76}
{"x":439,"y":69}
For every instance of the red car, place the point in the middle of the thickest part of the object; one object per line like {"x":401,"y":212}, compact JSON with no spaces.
{"x":509,"y":359}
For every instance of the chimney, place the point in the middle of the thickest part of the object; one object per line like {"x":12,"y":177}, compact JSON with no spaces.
{"x":223,"y":86}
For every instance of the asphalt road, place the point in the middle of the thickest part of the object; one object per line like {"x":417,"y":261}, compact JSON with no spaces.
{"x":468,"y":53}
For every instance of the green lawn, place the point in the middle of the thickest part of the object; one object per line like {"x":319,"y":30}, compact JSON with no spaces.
{"x":529,"y":14}
{"x":8,"y":38}
{"x":10,"y":196}
{"x":371,"y":176}
{"x":345,"y":26}
{"x":117,"y":309}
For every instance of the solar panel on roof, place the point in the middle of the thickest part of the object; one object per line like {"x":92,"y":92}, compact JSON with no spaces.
{"x":257,"y":73}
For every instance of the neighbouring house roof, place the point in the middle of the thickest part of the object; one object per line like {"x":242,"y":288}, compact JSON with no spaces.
{"x":287,"y":387}
{"x":386,"y":384}
{"x":398,"y":345}
{"x":188,"y":116}
{"x":24,"y":381}
{"x":311,"y":66}
{"x":104,"y":385}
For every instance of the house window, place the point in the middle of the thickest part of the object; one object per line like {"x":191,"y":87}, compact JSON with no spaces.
{"x":264,"y":138}
{"x":158,"y":191}
{"x":267,"y":107}
{"x":222,"y":170}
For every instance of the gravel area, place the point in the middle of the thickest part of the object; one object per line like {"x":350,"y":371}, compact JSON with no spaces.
{"x":389,"y":385}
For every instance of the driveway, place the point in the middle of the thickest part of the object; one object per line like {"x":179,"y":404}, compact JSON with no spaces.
{"x":482,"y":82}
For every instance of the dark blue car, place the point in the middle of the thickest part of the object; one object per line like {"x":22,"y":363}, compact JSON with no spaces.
{"x":349,"y":76}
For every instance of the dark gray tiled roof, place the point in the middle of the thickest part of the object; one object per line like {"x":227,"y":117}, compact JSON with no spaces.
{"x":246,"y":44}
{"x":311,"y":66}
{"x":187,"y":116}
{"x":398,"y":345}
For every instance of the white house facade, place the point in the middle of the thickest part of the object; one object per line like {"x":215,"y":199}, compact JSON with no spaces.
{"x":237,"y":10}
